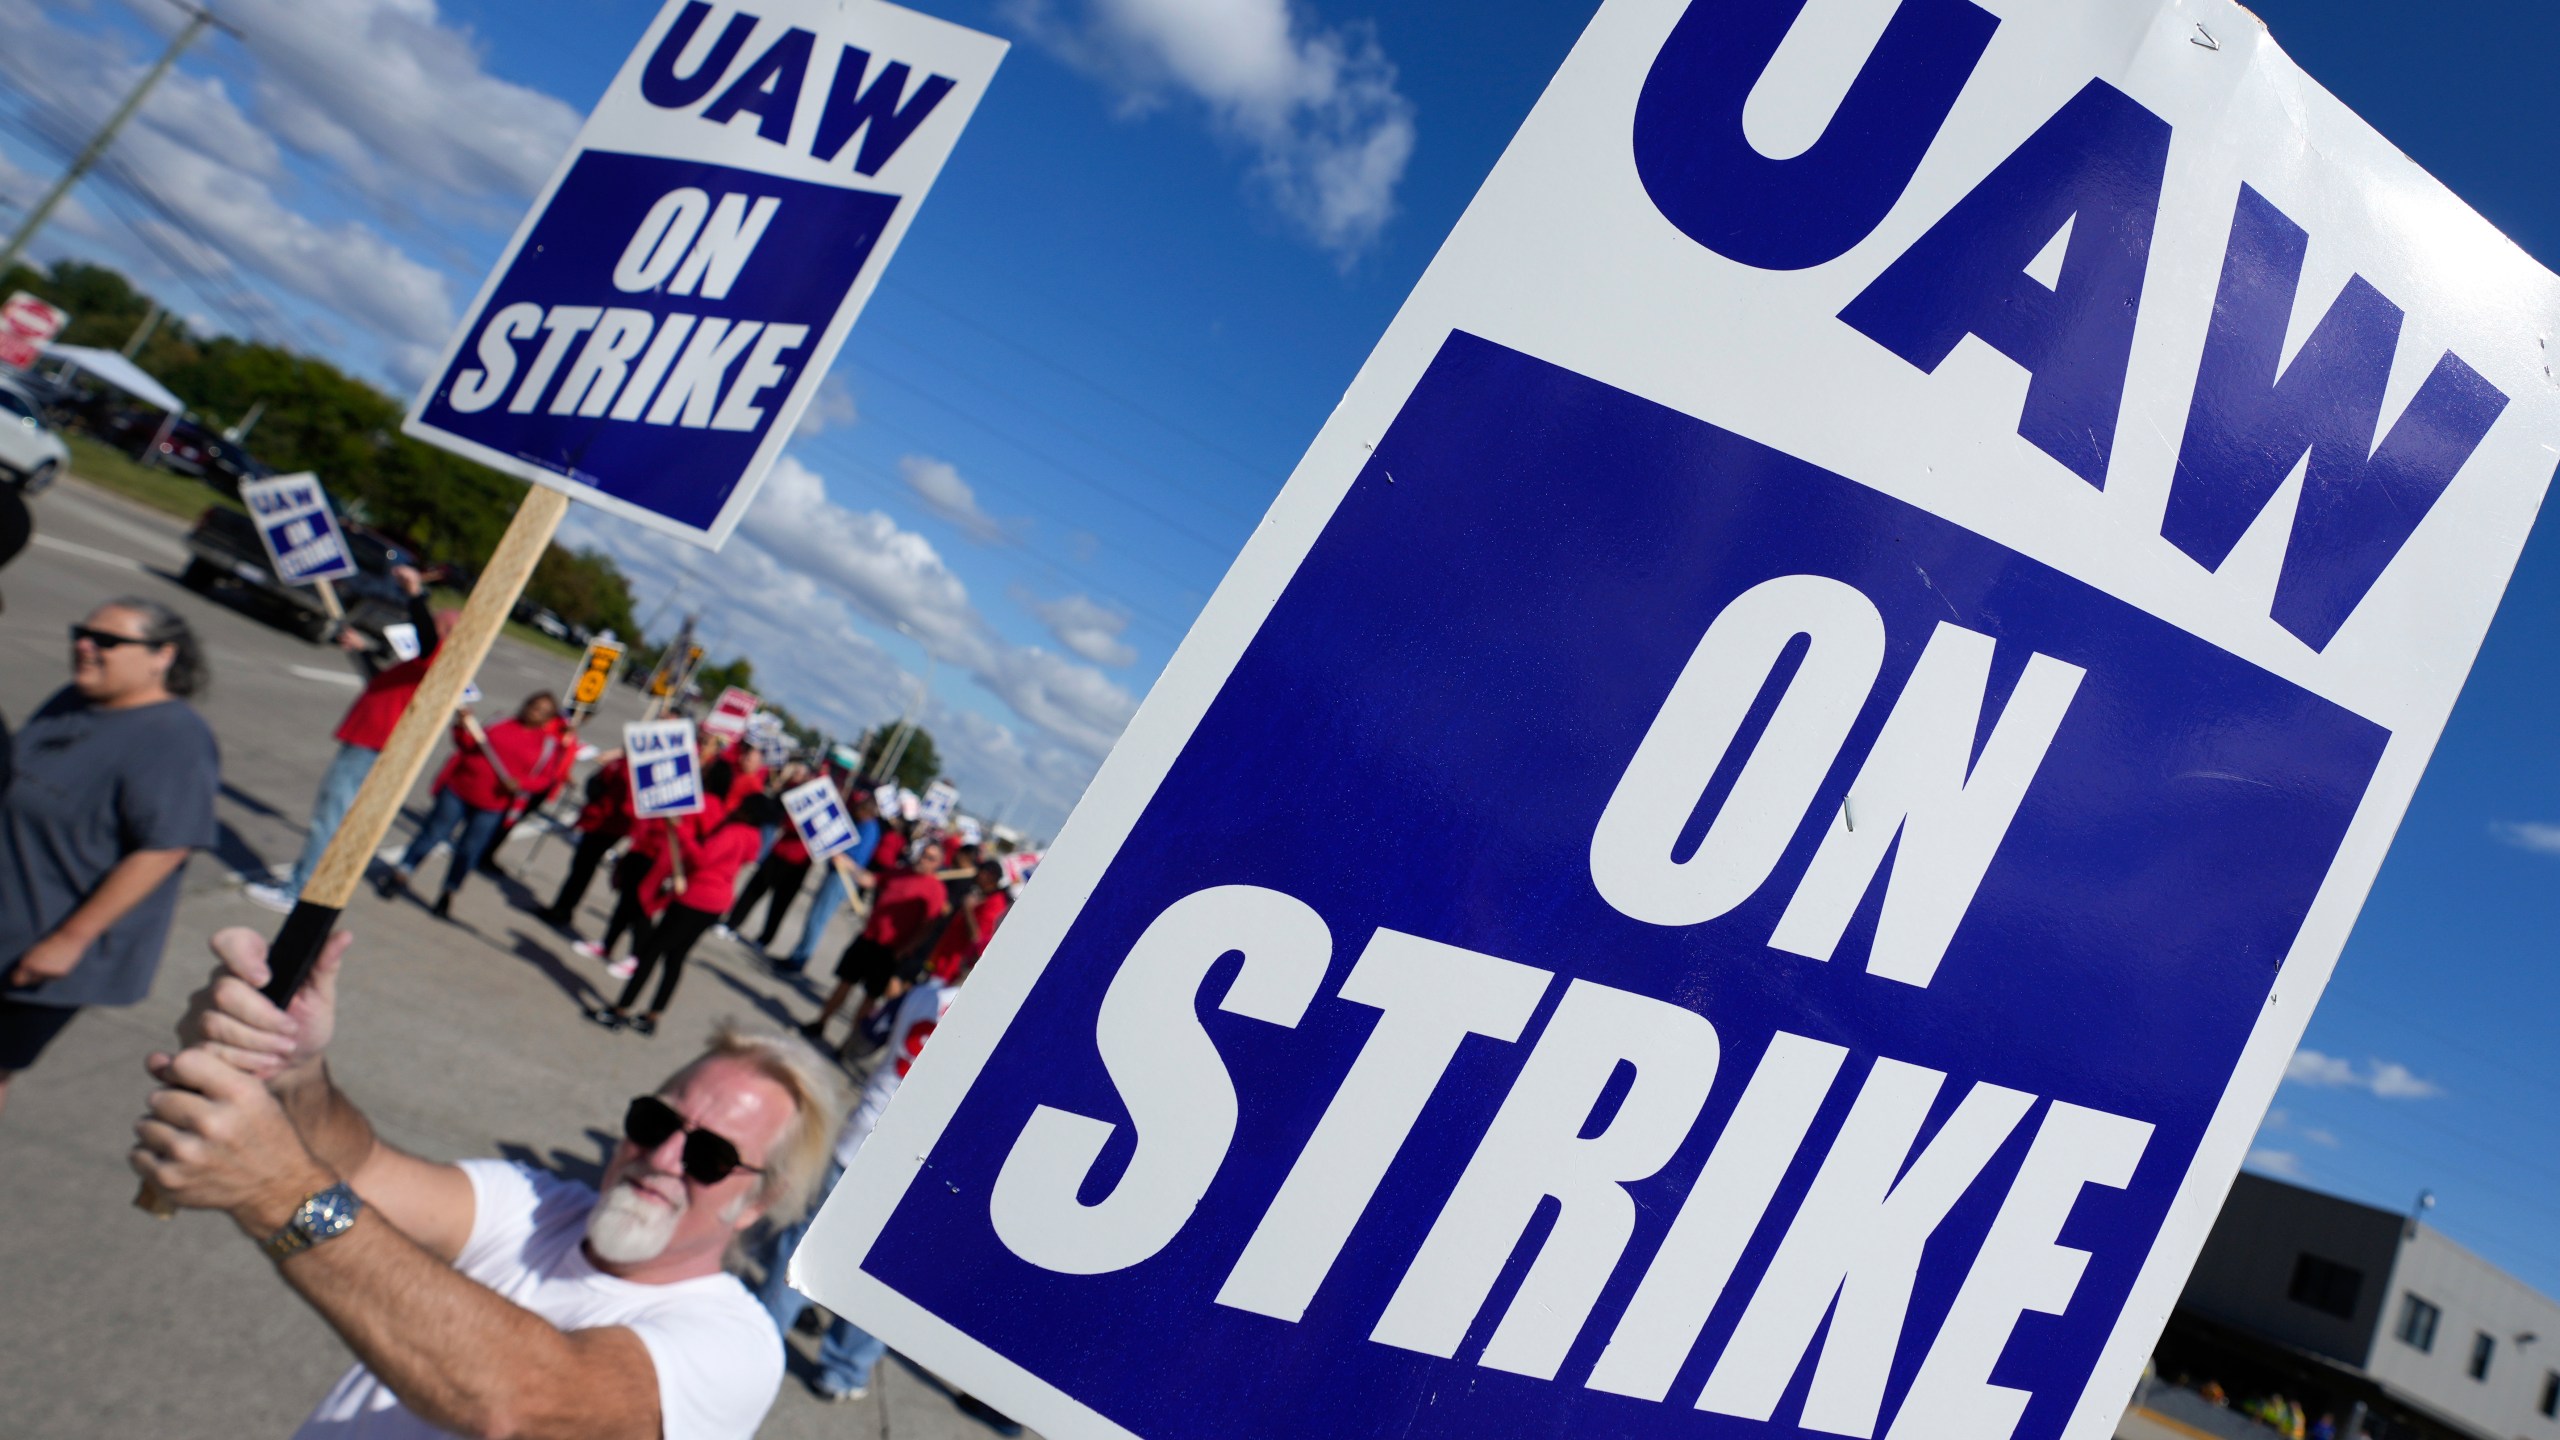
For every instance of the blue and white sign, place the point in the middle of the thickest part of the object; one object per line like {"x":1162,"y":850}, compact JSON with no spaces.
{"x":298,"y":528}
{"x":676,"y":294}
{"x":1876,"y":682}
{"x":940,"y":799}
{"x":666,"y":768}
{"x":817,"y":812}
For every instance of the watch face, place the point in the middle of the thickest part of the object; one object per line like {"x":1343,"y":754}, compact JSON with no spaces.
{"x":332,"y":1211}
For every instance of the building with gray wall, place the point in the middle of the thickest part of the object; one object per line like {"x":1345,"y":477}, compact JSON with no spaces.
{"x":2368,"y":1315}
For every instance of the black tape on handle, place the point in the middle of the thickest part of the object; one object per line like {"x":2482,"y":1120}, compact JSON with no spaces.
{"x":297,"y":949}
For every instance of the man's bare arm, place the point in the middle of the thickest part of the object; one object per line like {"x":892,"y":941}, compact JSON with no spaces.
{"x":456,"y":1352}
{"x":232,"y":1019}
{"x":433,"y":1204}
{"x":466,"y":1359}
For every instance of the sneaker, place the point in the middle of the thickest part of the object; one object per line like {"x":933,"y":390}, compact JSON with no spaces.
{"x":390,"y":884}
{"x":621,"y":969}
{"x":787,"y":966}
{"x":722,"y":930}
{"x":443,"y":908}
{"x":588,"y":948}
{"x":840,"y":1397}
{"x":268,"y":896}
{"x":601,"y":1015}
{"x":644,"y":1025}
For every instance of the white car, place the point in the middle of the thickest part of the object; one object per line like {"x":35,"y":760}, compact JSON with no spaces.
{"x":28,"y":447}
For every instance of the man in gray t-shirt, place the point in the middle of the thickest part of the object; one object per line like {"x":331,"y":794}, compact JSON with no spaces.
{"x":94,"y":787}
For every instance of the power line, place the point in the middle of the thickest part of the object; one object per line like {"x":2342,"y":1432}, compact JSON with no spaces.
{"x":1250,"y":467}
{"x":198,"y":19}
{"x":1006,"y":488}
{"x":1017,"y":402}
{"x":1211,"y":543}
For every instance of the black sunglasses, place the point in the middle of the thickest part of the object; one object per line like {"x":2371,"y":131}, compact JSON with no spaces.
{"x":108,"y":639}
{"x":708,"y":1158}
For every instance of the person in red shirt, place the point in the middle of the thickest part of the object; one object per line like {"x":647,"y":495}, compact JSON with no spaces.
{"x":551,"y":772}
{"x":601,"y":824}
{"x":630,"y":914}
{"x":972,"y":925}
{"x":473,"y":794}
{"x":690,"y":886}
{"x":362,"y":734}
{"x":889,"y":953}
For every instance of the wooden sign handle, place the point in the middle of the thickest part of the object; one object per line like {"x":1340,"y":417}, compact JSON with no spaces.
{"x":386,"y":787}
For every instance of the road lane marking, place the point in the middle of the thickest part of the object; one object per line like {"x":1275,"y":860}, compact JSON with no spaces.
{"x":326,"y":677}
{"x":69,"y":548}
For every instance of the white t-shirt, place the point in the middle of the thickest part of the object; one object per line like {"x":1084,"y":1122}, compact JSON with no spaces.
{"x":718,"y":1358}
{"x":919,"y":1012}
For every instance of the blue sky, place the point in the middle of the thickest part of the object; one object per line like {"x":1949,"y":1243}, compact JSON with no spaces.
{"x":1170,"y":237}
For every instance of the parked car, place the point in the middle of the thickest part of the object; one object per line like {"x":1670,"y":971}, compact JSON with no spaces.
{"x":191,"y":449}
{"x":29,"y":450}
{"x":224,"y":553}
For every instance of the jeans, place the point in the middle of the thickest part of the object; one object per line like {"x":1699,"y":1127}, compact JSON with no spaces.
{"x":469,"y":828}
{"x":847,"y":1355}
{"x":338,"y":787}
{"x":822,"y":908}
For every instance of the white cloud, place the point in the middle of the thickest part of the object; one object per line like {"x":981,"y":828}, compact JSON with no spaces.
{"x":1318,"y":108}
{"x":382,"y":96}
{"x":2387,"y":1079}
{"x":803,"y":567}
{"x":2283,"y":1164}
{"x":938,"y":484}
{"x":395,"y":96}
{"x":2540,"y":837}
{"x":832,"y":408}
{"x":1086,"y":627}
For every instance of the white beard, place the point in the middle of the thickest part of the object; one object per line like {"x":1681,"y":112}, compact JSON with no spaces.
{"x":628,"y":1227}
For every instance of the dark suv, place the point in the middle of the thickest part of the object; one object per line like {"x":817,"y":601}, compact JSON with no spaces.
{"x":194,"y":451}
{"x":223,"y":553}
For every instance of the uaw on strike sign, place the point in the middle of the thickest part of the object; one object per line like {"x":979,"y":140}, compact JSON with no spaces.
{"x":1891,"y":582}
{"x":675,"y":296}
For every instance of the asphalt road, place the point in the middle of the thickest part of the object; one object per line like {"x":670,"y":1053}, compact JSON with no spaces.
{"x":458,"y":1039}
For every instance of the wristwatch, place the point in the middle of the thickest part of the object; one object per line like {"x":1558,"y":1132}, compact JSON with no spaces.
{"x":326,"y":1215}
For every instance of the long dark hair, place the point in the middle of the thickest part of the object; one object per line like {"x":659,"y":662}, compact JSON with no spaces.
{"x":161,"y":625}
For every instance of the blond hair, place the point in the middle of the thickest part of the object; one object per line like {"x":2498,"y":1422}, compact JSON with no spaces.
{"x":800,"y":1153}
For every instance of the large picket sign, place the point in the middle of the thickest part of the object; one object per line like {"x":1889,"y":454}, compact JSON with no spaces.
{"x":1881,"y":601}
{"x":672,"y":301}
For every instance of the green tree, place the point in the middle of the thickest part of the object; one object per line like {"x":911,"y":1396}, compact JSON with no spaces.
{"x":586,"y":587}
{"x":713,"y":679}
{"x":917,"y":767}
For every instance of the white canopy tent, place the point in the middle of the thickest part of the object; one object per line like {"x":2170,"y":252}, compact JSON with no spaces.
{"x":120,"y":372}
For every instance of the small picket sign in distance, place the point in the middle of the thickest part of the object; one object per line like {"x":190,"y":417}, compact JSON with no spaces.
{"x":299,"y":528}
{"x":817,"y":812}
{"x":665,"y":767}
{"x":731,"y":713}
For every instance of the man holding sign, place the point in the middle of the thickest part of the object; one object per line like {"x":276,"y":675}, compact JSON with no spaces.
{"x":361,"y":735}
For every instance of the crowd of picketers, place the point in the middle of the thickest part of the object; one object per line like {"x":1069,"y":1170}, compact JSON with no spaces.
{"x":487,"y":1296}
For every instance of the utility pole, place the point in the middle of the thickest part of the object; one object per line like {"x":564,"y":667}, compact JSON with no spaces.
{"x":142,"y":332}
{"x":197,"y":19}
